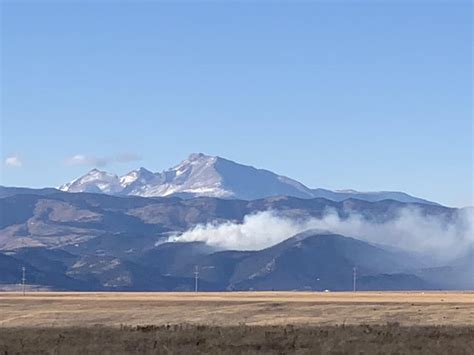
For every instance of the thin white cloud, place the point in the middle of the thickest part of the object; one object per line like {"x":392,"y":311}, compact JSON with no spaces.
{"x":127,"y":157}
{"x":13,"y":161}
{"x":87,"y":160}
{"x":83,"y":160}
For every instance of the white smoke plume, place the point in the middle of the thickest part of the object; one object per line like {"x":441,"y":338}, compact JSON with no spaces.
{"x":410,"y":230}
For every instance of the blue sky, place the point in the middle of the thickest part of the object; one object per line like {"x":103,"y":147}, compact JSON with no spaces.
{"x":362,"y":95}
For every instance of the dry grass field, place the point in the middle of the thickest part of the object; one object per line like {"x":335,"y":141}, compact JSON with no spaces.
{"x":235,"y":308}
{"x":237,"y":323}
{"x":361,"y":339}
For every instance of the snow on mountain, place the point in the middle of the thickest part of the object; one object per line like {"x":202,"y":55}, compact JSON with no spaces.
{"x":203,"y":175}
{"x":141,"y":175}
{"x":195,"y":175}
{"x":94,"y":181}
{"x":136,"y":181}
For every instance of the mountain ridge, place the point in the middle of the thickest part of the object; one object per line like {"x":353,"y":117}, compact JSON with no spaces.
{"x":103,"y":242}
{"x":309,"y":261}
{"x":214,"y":176}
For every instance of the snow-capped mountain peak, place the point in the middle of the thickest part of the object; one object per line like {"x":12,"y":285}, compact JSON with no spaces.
{"x":195,"y":166}
{"x":137,"y":182}
{"x":94,"y":181}
{"x":195,"y":175}
{"x":141,"y":174}
{"x":204,"y":175}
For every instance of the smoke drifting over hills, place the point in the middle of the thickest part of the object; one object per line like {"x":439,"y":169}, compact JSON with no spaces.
{"x":438,"y":237}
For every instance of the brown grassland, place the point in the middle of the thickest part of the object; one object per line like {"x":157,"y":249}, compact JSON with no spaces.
{"x":234,"y":308}
{"x":237,"y":322}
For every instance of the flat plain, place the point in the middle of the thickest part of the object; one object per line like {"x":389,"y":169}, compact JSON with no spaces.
{"x":56,"y":309}
{"x":237,"y":323}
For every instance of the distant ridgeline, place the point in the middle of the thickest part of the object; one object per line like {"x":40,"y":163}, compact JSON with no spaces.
{"x":211,"y":176}
{"x":89,"y":241}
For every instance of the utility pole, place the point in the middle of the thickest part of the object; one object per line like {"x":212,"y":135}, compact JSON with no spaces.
{"x":23,"y":278}
{"x":354,"y":278}
{"x":196,"y":278}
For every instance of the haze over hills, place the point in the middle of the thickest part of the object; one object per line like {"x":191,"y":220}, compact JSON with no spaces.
{"x":61,"y":218}
{"x":212,"y":176}
{"x":90,"y":241}
{"x":309,"y":261}
{"x":245,"y":228}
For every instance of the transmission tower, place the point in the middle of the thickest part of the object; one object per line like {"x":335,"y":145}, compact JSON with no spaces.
{"x":196,"y":278}
{"x":23,"y":279}
{"x":354,"y":279}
